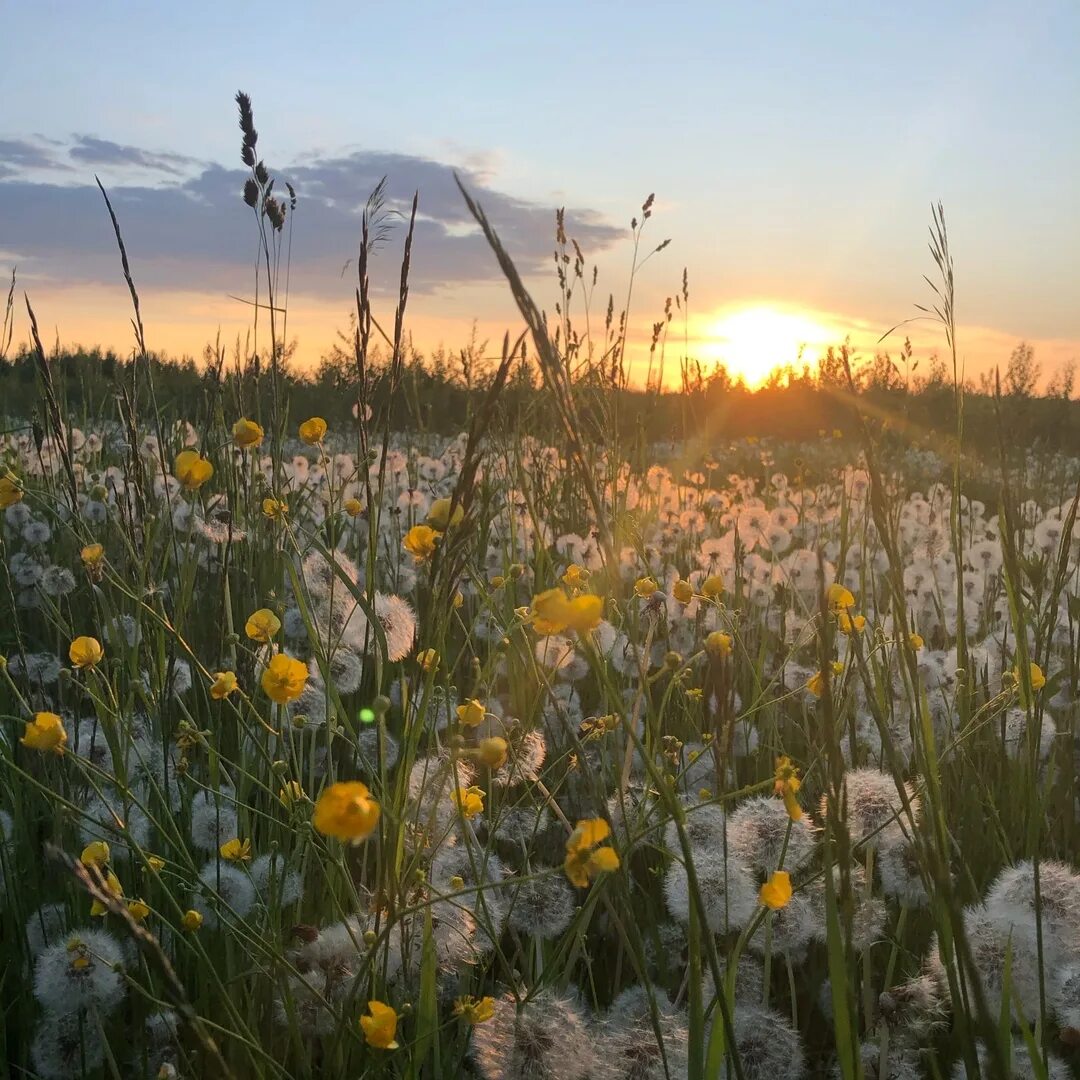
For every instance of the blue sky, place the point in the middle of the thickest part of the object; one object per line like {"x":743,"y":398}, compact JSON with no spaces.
{"x":794,"y":149}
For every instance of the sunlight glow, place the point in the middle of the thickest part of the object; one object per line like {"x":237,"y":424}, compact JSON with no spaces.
{"x":753,"y":341}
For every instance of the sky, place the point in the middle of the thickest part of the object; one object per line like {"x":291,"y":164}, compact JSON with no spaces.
{"x":794,"y":151}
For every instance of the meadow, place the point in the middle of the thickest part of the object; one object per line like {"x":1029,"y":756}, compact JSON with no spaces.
{"x":531,"y":737}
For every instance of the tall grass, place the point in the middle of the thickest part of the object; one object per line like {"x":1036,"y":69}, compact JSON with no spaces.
{"x":609,"y":706}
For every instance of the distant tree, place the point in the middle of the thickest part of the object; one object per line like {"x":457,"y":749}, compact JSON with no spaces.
{"x":1062,"y":383}
{"x":1022,"y":374}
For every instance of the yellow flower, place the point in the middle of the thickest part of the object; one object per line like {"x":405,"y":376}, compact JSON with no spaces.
{"x":470,"y":801}
{"x":552,"y":612}
{"x":916,"y":641}
{"x":776,"y":892}
{"x":191,"y":920}
{"x":284,"y":679}
{"x":492,"y":752}
{"x":236,"y":850}
{"x":10,"y":491}
{"x":85,"y":652}
{"x":458,"y":601}
{"x":683,"y":591}
{"x":275,"y":509}
{"x":346,"y":810}
{"x":584,"y":857}
{"x":645,"y":587}
{"x":224,"y":684}
{"x":428,"y":659}
{"x":474,"y":1010}
{"x":113,"y":886}
{"x":786,"y":783}
{"x":313,"y":431}
{"x":246,"y":434}
{"x":816,"y":683}
{"x":839,"y":598}
{"x":92,"y":556}
{"x":439,"y":515}
{"x":262,"y":626}
{"x":192,"y":470}
{"x":138,"y":910}
{"x":1038,"y":679}
{"x":155,"y":862}
{"x":95,"y":854}
{"x":719,"y":644}
{"x":498,"y":581}
{"x":291,"y":794}
{"x":574,"y":577}
{"x":45,"y":732}
{"x":380,"y":1026}
{"x":420,"y":542}
{"x":353,"y":507}
{"x":712,"y":586}
{"x":472,"y":713}
{"x":850,"y":624}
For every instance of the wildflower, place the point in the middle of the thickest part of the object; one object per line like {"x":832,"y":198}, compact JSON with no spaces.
{"x":191,"y":920}
{"x":262,"y":626}
{"x":192,"y":469}
{"x":552,"y":612}
{"x":313,"y":431}
{"x":786,"y":784}
{"x":93,"y":555}
{"x":380,"y":1026}
{"x":45,"y":733}
{"x":1035,"y":674}
{"x":284,"y":679}
{"x":236,"y":850}
{"x":472,"y":713}
{"x":275,"y":509}
{"x":458,"y":600}
{"x":839,"y":598}
{"x":82,"y":970}
{"x":916,"y":641}
{"x":816,"y":683}
{"x":439,"y":515}
{"x":575,"y":576}
{"x":428,"y":660}
{"x":347,"y":811}
{"x":776,"y":892}
{"x":112,"y":885}
{"x":10,"y":491}
{"x":498,"y":581}
{"x":492,"y":752}
{"x":683,"y":591}
{"x":246,"y":434}
{"x":138,"y":910}
{"x":470,"y":801}
{"x":645,"y":587}
{"x":291,"y":794}
{"x":712,"y":586}
{"x":85,"y":652}
{"x":223,"y":685}
{"x":474,"y":1010}
{"x":719,"y":644}
{"x":95,"y":854}
{"x":584,"y":857}
{"x":851,"y":624}
{"x":420,"y":542}
{"x":353,"y":507}
{"x":155,"y":862}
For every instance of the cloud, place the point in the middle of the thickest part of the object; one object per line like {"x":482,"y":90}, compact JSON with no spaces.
{"x":20,"y":155}
{"x":90,"y":151}
{"x":193,"y":232}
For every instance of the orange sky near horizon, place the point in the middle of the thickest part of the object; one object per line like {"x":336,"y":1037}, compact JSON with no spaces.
{"x":751,"y":337}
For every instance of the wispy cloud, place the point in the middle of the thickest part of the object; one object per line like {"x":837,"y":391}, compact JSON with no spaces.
{"x":186,"y":227}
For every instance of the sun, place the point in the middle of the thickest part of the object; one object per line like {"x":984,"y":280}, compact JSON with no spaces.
{"x":753,"y":341}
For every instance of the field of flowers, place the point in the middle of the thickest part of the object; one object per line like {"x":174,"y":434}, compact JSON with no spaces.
{"x":309,"y":772}
{"x":534,"y":753}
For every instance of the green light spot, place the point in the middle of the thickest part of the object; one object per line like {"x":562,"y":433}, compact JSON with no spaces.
{"x":367,"y":716}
